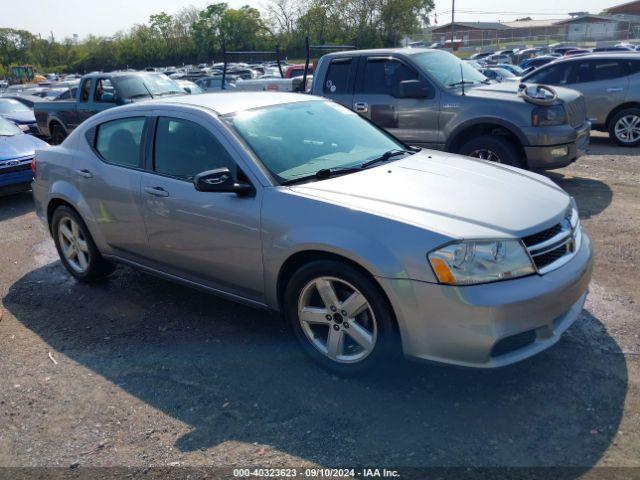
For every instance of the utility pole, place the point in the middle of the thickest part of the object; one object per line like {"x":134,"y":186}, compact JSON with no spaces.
{"x":453,"y":18}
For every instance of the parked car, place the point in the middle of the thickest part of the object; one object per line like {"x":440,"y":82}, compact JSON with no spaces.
{"x":18,"y":113}
{"x":16,"y":154}
{"x":27,"y":100}
{"x":296,"y":70}
{"x":536,"y":62}
{"x":563,"y":49}
{"x":97,"y":92}
{"x":514,"y":69}
{"x":480,"y":55}
{"x":497,"y":74}
{"x":610,"y":84}
{"x":189,"y":87}
{"x":616,"y":48}
{"x":430,"y":98}
{"x":214,"y":84}
{"x":277,"y":200}
{"x":498,"y":58}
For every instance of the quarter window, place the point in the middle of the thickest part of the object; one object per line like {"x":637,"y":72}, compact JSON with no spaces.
{"x":119,"y":141}
{"x":338,"y":76}
{"x":183,"y":149}
{"x":383,"y":76}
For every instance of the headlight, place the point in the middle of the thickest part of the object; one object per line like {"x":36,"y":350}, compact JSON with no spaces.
{"x":480,"y":261}
{"x":548,"y":116}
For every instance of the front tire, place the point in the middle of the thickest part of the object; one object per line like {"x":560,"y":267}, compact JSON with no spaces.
{"x":340,"y":318}
{"x":493,"y":149}
{"x":77,"y":250}
{"x":624,"y":127}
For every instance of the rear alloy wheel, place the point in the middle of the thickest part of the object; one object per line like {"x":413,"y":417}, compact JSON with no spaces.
{"x":76,"y":248}
{"x":340,"y":317}
{"x":493,"y":149}
{"x":57,"y":135}
{"x":624,"y":127}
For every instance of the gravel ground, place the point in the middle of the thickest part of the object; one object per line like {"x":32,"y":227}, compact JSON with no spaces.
{"x":137,"y":371}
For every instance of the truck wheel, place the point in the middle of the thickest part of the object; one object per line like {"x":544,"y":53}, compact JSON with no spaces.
{"x":57,"y":135}
{"x":76,"y":248}
{"x":624,"y":127}
{"x":493,"y":149}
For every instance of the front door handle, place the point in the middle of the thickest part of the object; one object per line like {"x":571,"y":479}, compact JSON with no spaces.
{"x":361,"y":107}
{"x":614,"y":90}
{"x":156,"y":191}
{"x":83,"y":172}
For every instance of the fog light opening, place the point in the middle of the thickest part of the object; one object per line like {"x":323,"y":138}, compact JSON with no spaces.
{"x":560,"y":152}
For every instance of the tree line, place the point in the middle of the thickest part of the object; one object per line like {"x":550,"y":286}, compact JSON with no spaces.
{"x":194,"y":35}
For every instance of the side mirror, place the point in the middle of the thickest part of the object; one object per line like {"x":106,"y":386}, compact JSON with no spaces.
{"x":415,"y":89}
{"x":187,"y":89}
{"x":220,"y":180}
{"x":107,"y":97}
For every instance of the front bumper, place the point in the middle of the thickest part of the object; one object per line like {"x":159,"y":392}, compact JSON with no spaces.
{"x":494,"y":324}
{"x":545,"y":142}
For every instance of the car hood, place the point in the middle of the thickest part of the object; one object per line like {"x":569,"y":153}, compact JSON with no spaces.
{"x":453,"y":195}
{"x":508,"y":91}
{"x":18,"y":146}
{"x":20,"y":117}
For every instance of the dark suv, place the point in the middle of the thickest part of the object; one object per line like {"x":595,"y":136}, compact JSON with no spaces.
{"x":610,"y":83}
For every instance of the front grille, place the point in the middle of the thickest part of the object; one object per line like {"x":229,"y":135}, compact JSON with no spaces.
{"x":542,"y":236}
{"x":550,"y":247}
{"x":548,"y":258}
{"x":577,"y":112}
{"x":15,"y":165}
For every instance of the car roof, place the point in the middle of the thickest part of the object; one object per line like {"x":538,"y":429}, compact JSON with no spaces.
{"x":382,"y":51}
{"x":602,"y":55}
{"x":229,"y":102}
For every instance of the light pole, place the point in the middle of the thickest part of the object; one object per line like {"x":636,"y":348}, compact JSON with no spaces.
{"x":453,"y":19}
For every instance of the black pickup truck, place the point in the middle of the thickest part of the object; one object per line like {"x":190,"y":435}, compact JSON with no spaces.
{"x":98,"y":92}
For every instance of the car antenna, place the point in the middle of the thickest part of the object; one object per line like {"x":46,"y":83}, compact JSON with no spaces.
{"x":462,"y":80}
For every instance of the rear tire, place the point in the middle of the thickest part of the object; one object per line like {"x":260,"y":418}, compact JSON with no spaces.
{"x":624,"y":127}
{"x":57,"y":135}
{"x":349,"y":328}
{"x":494,"y":149}
{"x":77,"y":250}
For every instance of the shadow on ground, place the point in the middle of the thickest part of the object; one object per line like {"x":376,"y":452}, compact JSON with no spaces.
{"x":599,"y":144}
{"x":15,"y":205}
{"x":187,"y":353}
{"x":592,"y":196}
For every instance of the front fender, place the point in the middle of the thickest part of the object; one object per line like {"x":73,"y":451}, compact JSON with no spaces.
{"x":458,"y":129}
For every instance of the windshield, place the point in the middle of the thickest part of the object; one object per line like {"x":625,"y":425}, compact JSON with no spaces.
{"x":153,"y":85}
{"x":448,"y":69}
{"x":8,"y":129}
{"x":298,"y":139}
{"x":8,"y":105}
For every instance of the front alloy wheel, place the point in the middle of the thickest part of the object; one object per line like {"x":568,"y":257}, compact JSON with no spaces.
{"x":627,"y":129}
{"x":341,"y":318}
{"x":486,"y":154}
{"x":337,"y":319}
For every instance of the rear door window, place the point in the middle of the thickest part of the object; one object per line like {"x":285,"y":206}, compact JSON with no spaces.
{"x":599,"y":70}
{"x":184,"y":149}
{"x":339,"y":75}
{"x":119,"y":141}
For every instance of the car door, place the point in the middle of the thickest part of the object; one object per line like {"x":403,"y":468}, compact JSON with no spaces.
{"x":211,"y":238}
{"x":109,"y":180}
{"x":603,"y":82}
{"x":85,"y":107}
{"x":338,"y":81}
{"x":378,"y":97}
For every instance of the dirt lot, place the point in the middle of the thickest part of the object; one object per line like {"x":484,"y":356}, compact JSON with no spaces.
{"x":138,"y":371}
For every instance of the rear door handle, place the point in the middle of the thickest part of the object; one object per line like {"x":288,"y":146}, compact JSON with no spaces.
{"x":156,"y":191}
{"x":83,"y":172}
{"x":614,"y":90}
{"x":361,"y":107}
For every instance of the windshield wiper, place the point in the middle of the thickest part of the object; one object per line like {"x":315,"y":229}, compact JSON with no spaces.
{"x":385,"y":156}
{"x":458,"y":84}
{"x":139,"y":95}
{"x":323,"y":174}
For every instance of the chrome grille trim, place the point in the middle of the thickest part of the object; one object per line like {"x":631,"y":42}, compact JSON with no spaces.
{"x":577,"y":112}
{"x":565,"y":244}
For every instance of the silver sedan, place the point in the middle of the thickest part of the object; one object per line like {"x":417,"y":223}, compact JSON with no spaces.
{"x":292,"y":203}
